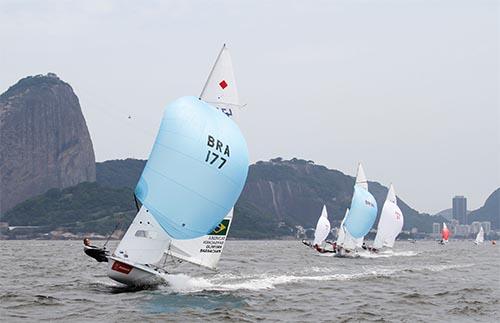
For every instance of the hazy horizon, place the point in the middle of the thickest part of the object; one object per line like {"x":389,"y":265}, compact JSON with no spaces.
{"x":411,"y":89}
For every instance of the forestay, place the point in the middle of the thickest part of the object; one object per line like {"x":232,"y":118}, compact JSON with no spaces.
{"x":196,"y":170}
{"x":390,"y":222}
{"x":220,"y":89}
{"x":322,"y":227}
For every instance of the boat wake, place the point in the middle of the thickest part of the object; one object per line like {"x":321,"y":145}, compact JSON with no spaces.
{"x":183,"y":283}
{"x":387,"y":254}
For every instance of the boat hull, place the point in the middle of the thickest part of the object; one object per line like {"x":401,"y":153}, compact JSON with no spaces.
{"x":342,"y":253}
{"x":135,"y":275}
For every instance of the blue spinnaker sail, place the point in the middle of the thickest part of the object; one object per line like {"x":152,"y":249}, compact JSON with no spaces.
{"x":196,"y":170}
{"x":362,"y":214}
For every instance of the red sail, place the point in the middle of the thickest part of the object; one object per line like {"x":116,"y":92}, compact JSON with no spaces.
{"x":445,"y":233}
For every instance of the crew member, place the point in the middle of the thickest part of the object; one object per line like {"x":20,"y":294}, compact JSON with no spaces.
{"x":99,"y":254}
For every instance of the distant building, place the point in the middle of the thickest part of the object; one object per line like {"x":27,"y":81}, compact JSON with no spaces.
{"x":460,"y":209}
{"x":436,"y":228}
{"x":462,"y":230}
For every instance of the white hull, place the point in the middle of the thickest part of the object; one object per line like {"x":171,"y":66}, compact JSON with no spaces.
{"x":130,"y":274}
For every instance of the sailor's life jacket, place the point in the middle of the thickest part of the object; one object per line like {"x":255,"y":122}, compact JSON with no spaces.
{"x":99,"y":254}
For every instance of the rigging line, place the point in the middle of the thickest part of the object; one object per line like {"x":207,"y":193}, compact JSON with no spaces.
{"x":112,"y":114}
{"x":136,"y":203}
{"x":109,"y":236}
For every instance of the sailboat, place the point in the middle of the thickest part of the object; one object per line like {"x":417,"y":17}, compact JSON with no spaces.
{"x":321,"y":232}
{"x":390,"y":223}
{"x":359,"y":218}
{"x":445,"y":234}
{"x":185,"y":196}
{"x":322,"y":228}
{"x":480,"y":236}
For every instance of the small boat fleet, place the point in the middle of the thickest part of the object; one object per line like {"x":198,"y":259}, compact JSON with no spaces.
{"x":194,"y":175}
{"x":358,"y":221}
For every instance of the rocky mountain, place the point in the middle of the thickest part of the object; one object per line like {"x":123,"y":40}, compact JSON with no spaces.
{"x":279,"y":194}
{"x":447,"y":214}
{"x":119,"y":173}
{"x":45,"y":142}
{"x":286,"y":193}
{"x":490,"y":211}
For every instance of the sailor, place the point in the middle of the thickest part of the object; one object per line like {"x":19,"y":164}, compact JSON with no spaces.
{"x":365,"y":247}
{"x":99,"y":254}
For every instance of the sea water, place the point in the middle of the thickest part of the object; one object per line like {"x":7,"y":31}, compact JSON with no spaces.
{"x":279,"y":281}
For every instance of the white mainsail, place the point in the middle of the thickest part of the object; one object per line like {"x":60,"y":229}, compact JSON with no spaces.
{"x":480,"y":236}
{"x":344,"y":238}
{"x":322,"y":228}
{"x":361,"y":177}
{"x":145,"y":241}
{"x":390,"y":223}
{"x":220,"y":90}
{"x":341,"y":230}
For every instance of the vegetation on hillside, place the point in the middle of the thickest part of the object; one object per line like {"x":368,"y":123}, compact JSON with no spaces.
{"x":86,"y":207}
{"x":304,"y":188}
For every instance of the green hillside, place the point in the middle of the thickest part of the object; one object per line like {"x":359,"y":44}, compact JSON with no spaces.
{"x":278,"y":196}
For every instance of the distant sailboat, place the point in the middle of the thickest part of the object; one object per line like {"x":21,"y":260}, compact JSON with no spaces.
{"x":322,"y":228}
{"x":192,"y":179}
{"x":445,"y":234}
{"x":220,"y":90}
{"x":480,"y":236}
{"x":359,"y":218}
{"x":390,"y":223}
{"x":321,"y":233}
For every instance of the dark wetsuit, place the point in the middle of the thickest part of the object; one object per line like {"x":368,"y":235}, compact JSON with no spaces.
{"x":99,"y":254}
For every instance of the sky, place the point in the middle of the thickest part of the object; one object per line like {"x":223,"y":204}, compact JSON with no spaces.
{"x":408,"y":88}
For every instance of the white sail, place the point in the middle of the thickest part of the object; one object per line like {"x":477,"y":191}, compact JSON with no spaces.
{"x":220,"y":90}
{"x":344,"y":238}
{"x":341,"y":230}
{"x":391,"y":195}
{"x":203,"y":251}
{"x":144,"y":242}
{"x":480,"y":236}
{"x":322,"y":228}
{"x":361,"y":177}
{"x":390,"y":223}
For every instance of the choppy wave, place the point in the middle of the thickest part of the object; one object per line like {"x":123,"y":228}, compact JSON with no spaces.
{"x":259,"y":281}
